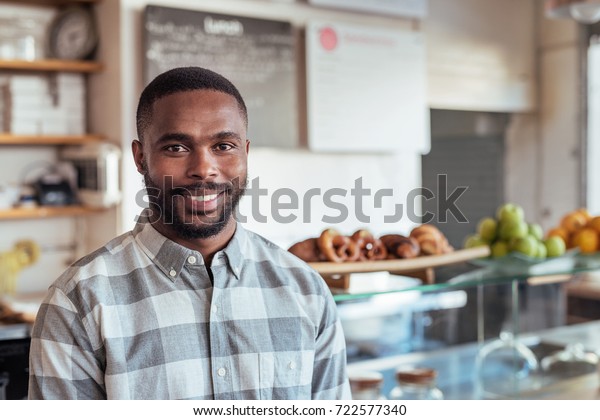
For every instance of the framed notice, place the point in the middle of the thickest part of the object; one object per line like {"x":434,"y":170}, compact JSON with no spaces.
{"x":366,"y":89}
{"x":406,"y":8}
{"x":257,"y":55}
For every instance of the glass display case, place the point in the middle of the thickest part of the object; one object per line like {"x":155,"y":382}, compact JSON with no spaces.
{"x":490,"y":329}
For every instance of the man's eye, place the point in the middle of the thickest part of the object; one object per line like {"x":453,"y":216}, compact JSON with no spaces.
{"x":223,"y":147}
{"x":175,"y":148}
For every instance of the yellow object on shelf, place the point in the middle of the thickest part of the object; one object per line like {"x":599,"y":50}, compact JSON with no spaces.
{"x":23,"y":254}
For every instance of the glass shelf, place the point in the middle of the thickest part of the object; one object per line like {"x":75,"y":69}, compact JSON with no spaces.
{"x":503,"y":271}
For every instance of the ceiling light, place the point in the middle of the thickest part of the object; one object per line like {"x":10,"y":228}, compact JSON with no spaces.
{"x":584,"y":11}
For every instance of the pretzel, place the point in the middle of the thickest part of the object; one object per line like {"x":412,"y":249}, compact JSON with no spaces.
{"x":370,"y":247}
{"x":337,"y":247}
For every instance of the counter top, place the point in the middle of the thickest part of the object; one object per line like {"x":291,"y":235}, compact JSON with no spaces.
{"x":458,"y":379}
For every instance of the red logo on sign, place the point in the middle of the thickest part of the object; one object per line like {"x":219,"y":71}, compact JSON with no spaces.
{"x":328,"y":39}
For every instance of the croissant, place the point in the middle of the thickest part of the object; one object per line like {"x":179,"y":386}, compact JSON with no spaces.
{"x":399,"y":246}
{"x":307,"y":250}
{"x":430,"y":239}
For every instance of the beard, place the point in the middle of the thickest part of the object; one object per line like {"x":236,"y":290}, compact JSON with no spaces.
{"x":166,"y":203}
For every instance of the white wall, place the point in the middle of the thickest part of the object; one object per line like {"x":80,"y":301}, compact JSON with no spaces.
{"x":481,"y":55}
{"x":559,"y":119}
{"x":543,"y":162}
{"x":301,"y":171}
{"x":593,"y":145}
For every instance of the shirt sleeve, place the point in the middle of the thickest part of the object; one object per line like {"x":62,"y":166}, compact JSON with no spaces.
{"x":62,"y":363}
{"x":330,"y":379}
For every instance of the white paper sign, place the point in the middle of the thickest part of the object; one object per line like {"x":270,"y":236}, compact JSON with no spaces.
{"x":407,"y":8}
{"x":366,"y":89}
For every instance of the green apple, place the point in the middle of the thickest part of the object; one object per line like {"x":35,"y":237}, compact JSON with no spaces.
{"x":487,"y":229}
{"x":536,"y":231}
{"x":542,"y":251}
{"x":510,"y":229}
{"x":527,"y":245}
{"x":512,"y":242}
{"x":499,"y":249}
{"x":474,"y":241}
{"x":510,"y":211}
{"x":555,"y":246}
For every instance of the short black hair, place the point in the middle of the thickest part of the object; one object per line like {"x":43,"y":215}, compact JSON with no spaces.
{"x":182,"y":79}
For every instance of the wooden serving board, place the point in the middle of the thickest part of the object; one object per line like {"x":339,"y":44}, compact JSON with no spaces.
{"x":338,"y":274}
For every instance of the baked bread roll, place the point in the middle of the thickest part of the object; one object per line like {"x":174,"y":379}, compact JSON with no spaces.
{"x":307,"y":250}
{"x":337,"y":247}
{"x":431,"y":240}
{"x":371,"y":248}
{"x":399,"y":246}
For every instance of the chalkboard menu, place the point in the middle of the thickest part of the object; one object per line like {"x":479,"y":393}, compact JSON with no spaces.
{"x":257,"y":55}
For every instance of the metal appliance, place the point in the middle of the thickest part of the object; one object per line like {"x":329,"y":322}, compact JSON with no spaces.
{"x":98,"y":167}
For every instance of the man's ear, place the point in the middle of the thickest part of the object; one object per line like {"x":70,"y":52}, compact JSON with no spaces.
{"x":247,"y":146}
{"x":138,"y":155}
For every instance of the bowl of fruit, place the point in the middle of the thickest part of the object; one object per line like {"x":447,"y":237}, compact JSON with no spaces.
{"x":581,"y":234}
{"x":515,"y":244}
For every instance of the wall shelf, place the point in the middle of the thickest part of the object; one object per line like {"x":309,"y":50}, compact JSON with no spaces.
{"x":52,"y":3}
{"x":19,"y":140}
{"x":51,"y":65}
{"x":44,"y":212}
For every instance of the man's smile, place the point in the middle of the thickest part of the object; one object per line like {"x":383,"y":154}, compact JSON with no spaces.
{"x":204,"y":197}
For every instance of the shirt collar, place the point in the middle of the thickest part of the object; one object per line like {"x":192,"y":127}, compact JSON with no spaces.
{"x":170,"y":257}
{"x":233,"y":250}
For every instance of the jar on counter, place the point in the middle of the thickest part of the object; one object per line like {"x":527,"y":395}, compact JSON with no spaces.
{"x":366,"y":385}
{"x":416,"y":384}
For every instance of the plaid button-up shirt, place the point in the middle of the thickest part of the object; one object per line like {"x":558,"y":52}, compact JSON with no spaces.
{"x":141,"y":319}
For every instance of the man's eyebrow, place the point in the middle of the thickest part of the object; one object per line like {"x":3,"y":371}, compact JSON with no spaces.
{"x":227,"y":135}
{"x":173,"y":137}
{"x":182,"y":137}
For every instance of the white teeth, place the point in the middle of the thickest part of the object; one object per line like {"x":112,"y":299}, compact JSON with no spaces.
{"x":204,"y":197}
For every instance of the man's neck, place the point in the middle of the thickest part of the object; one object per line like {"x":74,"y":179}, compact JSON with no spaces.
{"x":208,"y":247}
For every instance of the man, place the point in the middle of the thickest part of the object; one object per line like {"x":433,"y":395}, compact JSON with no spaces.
{"x":189,"y":304}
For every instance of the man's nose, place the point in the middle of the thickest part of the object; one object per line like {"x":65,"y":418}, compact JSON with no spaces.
{"x":202,"y":165}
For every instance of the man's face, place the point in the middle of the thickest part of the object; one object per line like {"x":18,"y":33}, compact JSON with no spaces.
{"x":194,"y":162}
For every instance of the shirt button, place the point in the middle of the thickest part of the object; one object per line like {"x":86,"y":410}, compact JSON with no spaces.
{"x":192,"y":260}
{"x":221,"y":372}
{"x":214,"y":309}
{"x":172,"y":273}
{"x":292,"y":365}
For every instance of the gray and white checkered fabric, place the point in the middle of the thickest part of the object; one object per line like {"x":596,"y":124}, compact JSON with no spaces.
{"x":140,"y":319}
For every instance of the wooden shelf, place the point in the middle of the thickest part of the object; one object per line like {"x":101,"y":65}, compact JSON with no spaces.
{"x":401,"y":265}
{"x":46,"y":212}
{"x":338,"y":275}
{"x":53,"y":3}
{"x":18,"y":140}
{"x":78,"y":66}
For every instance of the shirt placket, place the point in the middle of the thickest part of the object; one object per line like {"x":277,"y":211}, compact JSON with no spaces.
{"x":221,"y":364}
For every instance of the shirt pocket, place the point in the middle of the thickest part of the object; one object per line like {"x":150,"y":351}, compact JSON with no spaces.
{"x":285,"y":375}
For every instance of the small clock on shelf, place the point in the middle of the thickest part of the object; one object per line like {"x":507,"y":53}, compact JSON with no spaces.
{"x":73,"y":34}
